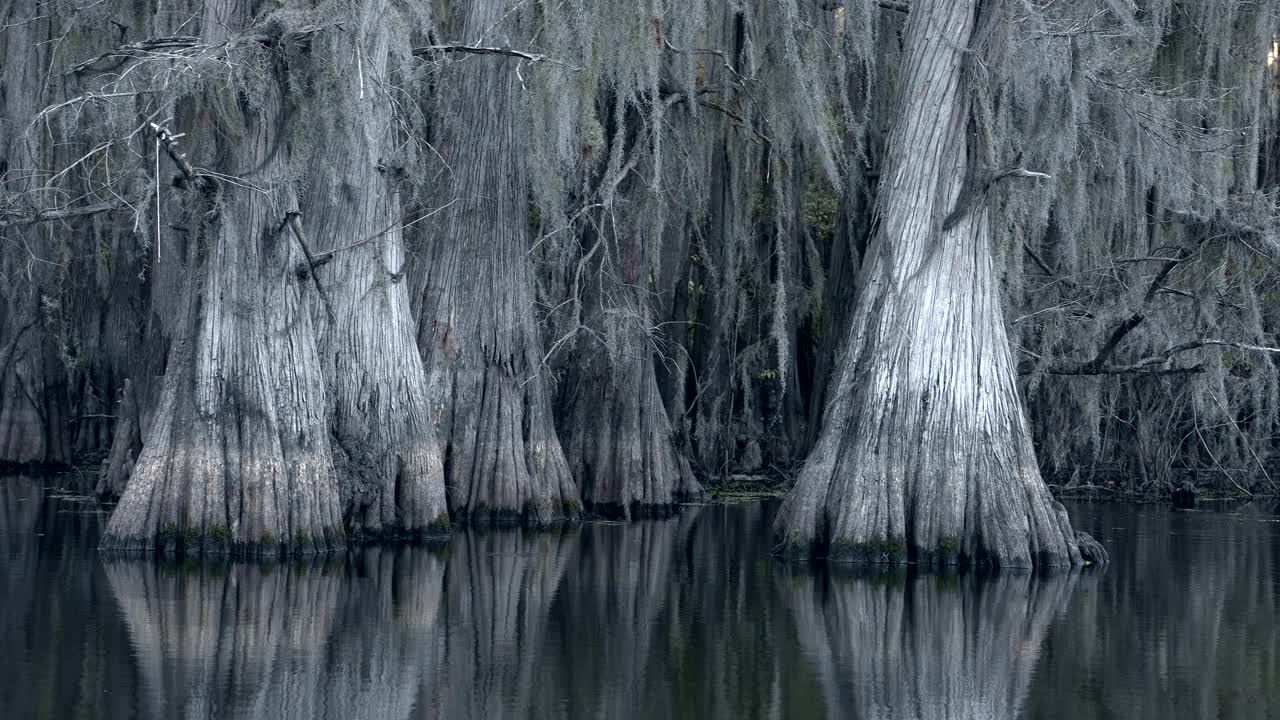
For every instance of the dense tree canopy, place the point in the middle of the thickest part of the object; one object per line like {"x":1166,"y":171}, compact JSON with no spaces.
{"x":305,"y":269}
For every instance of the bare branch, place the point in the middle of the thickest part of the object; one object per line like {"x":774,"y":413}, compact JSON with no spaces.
{"x":1153,"y":365}
{"x":15,"y":218}
{"x":1124,"y":327}
{"x":427,"y":50}
{"x":169,"y":142}
{"x":478,"y":50}
{"x":971,"y":196}
{"x":324,"y":257}
{"x":895,"y":5}
{"x":138,"y":49}
{"x":291,"y":220}
{"x":1140,"y":368}
{"x":1020,"y":172}
{"x":736,"y":118}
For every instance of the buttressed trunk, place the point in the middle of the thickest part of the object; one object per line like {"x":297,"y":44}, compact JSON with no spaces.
{"x":616,"y":431}
{"x":503,"y":460}
{"x":925,"y":454}
{"x":619,"y":439}
{"x":390,"y":471}
{"x":237,"y":457}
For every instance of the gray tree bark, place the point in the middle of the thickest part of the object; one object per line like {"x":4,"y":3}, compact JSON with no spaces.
{"x":479,"y":342}
{"x":925,"y":453}
{"x":238,"y":456}
{"x":391,"y":473}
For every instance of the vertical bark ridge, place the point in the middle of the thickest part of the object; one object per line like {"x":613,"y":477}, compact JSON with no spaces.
{"x":392,"y":474}
{"x":926,"y":454}
{"x":477,"y":333}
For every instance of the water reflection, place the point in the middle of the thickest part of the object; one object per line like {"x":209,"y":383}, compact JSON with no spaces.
{"x":898,"y":645}
{"x":685,"y":617}
{"x":1185,"y":625}
{"x":500,"y":589}
{"x":301,"y":640}
{"x":59,"y":656}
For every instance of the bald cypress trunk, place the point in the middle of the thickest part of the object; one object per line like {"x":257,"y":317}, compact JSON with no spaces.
{"x":619,"y":439}
{"x":503,"y":460}
{"x":925,"y":453}
{"x":389,"y":459}
{"x":238,"y":458}
{"x":617,"y":434}
{"x":126,"y":444}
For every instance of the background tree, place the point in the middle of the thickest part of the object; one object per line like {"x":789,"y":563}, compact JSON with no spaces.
{"x":356,"y":155}
{"x":1139,"y":293}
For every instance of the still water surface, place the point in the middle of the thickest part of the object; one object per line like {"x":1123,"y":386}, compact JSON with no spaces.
{"x":687,"y":617}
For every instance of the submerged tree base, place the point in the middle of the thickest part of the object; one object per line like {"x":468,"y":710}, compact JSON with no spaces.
{"x":531,"y":515}
{"x":1091,"y":551}
{"x":639,"y":510}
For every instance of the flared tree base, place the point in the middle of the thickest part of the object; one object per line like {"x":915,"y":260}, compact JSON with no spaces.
{"x":503,"y":463}
{"x":985,"y":513}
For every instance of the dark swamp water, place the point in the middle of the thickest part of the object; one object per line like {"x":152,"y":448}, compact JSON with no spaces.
{"x":688,"y":617}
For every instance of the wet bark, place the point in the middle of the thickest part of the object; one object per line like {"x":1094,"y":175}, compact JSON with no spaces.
{"x":490,"y":399}
{"x":391,"y":473}
{"x":238,"y":456}
{"x":925,"y":452}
